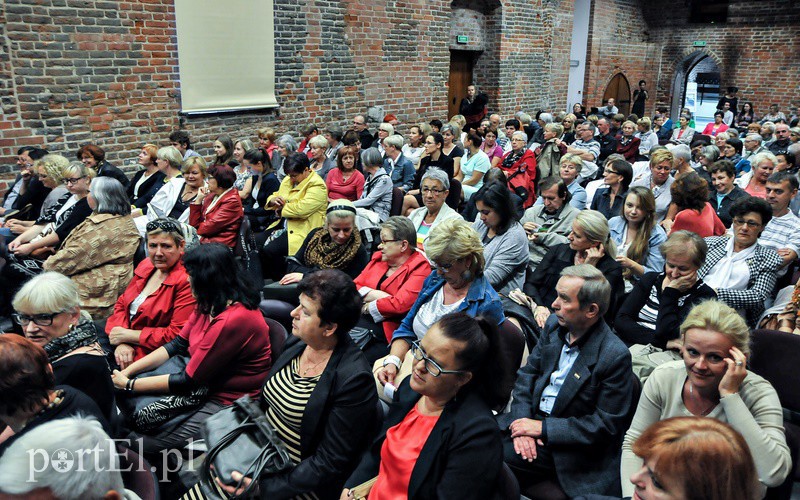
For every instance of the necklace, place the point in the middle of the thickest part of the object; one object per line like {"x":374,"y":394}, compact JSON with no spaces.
{"x":312,"y":367}
{"x":707,"y":410}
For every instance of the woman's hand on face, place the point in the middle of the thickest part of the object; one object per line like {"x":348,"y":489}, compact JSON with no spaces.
{"x":291,"y":278}
{"x":735,"y":374}
{"x":232,"y":490}
{"x":202,"y":192}
{"x":540,"y":314}
{"x":119,"y":379}
{"x":124,"y":355}
{"x":594,"y":254}
{"x":684,"y":282}
{"x":387,"y":374}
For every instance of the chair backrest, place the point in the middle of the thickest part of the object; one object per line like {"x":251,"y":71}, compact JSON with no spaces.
{"x":277,"y":337}
{"x":772,"y":356}
{"x":454,"y":197}
{"x":137,"y":474}
{"x":397,"y":202}
{"x":141,"y":252}
{"x":507,"y":486}
{"x":512,"y":345}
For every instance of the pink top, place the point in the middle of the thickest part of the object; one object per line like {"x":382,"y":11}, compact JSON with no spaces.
{"x":709,"y":130}
{"x":754,"y":189}
{"x":350,"y":189}
{"x":705,"y":224}
{"x":399,"y":455}
{"x":497,"y":151}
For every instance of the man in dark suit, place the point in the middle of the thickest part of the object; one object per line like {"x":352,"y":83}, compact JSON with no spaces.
{"x":574,"y":398}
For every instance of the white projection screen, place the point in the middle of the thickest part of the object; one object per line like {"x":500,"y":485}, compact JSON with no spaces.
{"x":226,"y":55}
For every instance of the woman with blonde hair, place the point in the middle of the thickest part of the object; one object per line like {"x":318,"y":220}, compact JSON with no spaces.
{"x":590,"y":242}
{"x":568,"y":122}
{"x":169,"y":160}
{"x":648,"y":139}
{"x":456,"y":284}
{"x":50,"y":170}
{"x":693,"y":457}
{"x":712,"y":381}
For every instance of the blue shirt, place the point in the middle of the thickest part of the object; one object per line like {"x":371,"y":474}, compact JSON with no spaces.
{"x":569,"y":354}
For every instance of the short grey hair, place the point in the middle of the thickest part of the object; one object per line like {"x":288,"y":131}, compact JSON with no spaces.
{"x":371,"y":158}
{"x":710,"y":152}
{"x":520,"y":133}
{"x":524,"y":118}
{"x":47,"y":293}
{"x":590,"y":125}
{"x":287,"y":141}
{"x":394,"y":140}
{"x":756,"y":160}
{"x":110,"y":196}
{"x":436,"y":174}
{"x":449,"y":127}
{"x":402,"y":229}
{"x":171,"y":155}
{"x":754,"y":137}
{"x":82,"y":438}
{"x":546,"y":117}
{"x":683,"y":152}
{"x":595,"y":288}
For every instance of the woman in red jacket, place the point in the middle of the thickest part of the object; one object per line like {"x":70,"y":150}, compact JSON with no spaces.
{"x":217,"y":210}
{"x":519,"y":165}
{"x":391,"y":283}
{"x":158,"y":300}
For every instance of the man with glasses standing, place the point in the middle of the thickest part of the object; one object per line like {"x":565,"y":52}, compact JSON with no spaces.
{"x":574,"y":397}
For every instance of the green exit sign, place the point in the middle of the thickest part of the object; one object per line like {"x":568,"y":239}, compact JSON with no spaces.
{"x":462,"y":39}
{"x":699,"y":43}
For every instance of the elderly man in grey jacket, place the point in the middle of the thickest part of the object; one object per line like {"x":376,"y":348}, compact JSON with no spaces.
{"x":548,"y":224}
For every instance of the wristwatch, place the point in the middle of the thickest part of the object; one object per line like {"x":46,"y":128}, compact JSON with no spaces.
{"x":392,"y":360}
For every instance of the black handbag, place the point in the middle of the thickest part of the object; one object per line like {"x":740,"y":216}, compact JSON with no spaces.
{"x":240,"y":438}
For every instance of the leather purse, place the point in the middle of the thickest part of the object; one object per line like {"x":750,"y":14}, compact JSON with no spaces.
{"x":240,"y":438}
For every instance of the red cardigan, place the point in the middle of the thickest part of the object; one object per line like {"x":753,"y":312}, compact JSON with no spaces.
{"x":404,"y":286}
{"x":230,"y":354}
{"x":705,"y":224}
{"x":163,"y":313}
{"x":221,"y":224}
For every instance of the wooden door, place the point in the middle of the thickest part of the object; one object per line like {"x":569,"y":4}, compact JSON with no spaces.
{"x":461,"y":63}
{"x":620,"y":90}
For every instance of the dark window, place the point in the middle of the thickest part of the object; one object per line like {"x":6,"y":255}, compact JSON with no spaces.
{"x":708,"y":11}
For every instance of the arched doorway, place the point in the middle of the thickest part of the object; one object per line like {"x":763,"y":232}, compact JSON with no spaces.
{"x":620,"y":90}
{"x":701,"y":69}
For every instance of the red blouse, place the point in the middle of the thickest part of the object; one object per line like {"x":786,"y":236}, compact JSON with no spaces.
{"x":399,"y":454}
{"x":230,"y":354}
{"x":338,"y":188}
{"x":163,"y":313}
{"x":705,"y":224}
{"x":221,"y":223}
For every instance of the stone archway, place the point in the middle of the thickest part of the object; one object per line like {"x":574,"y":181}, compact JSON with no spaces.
{"x":619,"y":88}
{"x":683,"y":68}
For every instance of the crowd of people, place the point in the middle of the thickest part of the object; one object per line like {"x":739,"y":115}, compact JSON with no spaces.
{"x":631,"y":257}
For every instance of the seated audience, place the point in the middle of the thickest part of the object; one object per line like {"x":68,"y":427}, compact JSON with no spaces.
{"x":659,"y":181}
{"x":587,"y":148}
{"x":376,"y":199}
{"x":548,"y":155}
{"x":716,"y":126}
{"x":548,"y":224}
{"x":319,"y":396}
{"x":739,"y":269}
{"x":148,"y":181}
{"x":225,"y":338}
{"x":391,"y":283}
{"x":564,"y":431}
{"x":435,"y":187}
{"x":415,"y":148}
{"x":432,"y":157}
{"x":661,"y":300}
{"x":589,"y":243}
{"x":754,"y":182}
{"x":181,"y":140}
{"x":95,"y":158}
{"x":732,"y":151}
{"x":617,"y":176}
{"x":521,"y":162}
{"x":628,"y":143}
{"x":98,"y":253}
{"x":492,"y":147}
{"x":451,"y":134}
{"x":243,"y":183}
{"x":440,"y":429}
{"x":50,"y":173}
{"x":458,"y":284}
{"x":345,"y":181}
{"x":26,"y":189}
{"x":82,"y":438}
{"x":694,"y":212}
{"x":320,"y":163}
{"x":782,"y":232}
{"x":570,"y":173}
{"x":48,"y":310}
{"x":30,"y":396}
{"x":505,"y":244}
{"x":399,"y":168}
{"x":300,"y":203}
{"x":712,"y":381}
{"x":637,"y":236}
{"x":683,"y":133}
{"x":647,"y":137}
{"x":176,"y":195}
{"x":216,"y":212}
{"x":263,"y":183}
{"x":158,"y":300}
{"x":726,"y":192}
{"x":475,"y":165}
{"x":674,"y":452}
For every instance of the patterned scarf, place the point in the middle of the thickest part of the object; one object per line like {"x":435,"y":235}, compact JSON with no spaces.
{"x":324,"y":253}
{"x":512,"y":158}
{"x":80,"y":335}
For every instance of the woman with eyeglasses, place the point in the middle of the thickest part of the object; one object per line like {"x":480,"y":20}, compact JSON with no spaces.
{"x":28,"y":251}
{"x":617,"y":176}
{"x":440,"y":439}
{"x":739,"y":269}
{"x":712,"y":381}
{"x":435,"y":188}
{"x":48,"y":309}
{"x":456,"y":284}
{"x":157,"y":302}
{"x":433,"y":157}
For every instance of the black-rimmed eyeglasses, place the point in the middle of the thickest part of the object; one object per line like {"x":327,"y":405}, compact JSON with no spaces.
{"x":431,"y":366}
